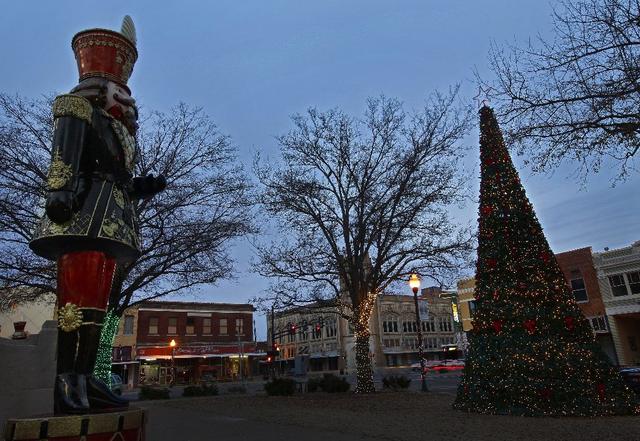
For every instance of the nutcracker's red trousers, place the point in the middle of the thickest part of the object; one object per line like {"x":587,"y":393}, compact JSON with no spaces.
{"x":85,"y":278}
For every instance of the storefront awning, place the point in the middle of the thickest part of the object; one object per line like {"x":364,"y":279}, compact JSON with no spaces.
{"x":196,"y":351}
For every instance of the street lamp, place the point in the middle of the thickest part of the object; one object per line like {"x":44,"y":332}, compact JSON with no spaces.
{"x":172,"y":344}
{"x":414,"y":283}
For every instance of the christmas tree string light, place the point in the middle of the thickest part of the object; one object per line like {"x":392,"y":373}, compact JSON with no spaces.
{"x":531,"y":350}
{"x":102,"y":369}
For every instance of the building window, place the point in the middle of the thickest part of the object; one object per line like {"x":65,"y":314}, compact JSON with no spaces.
{"x":223,"y":326}
{"x":239,"y":327}
{"x":153,"y":325}
{"x":172,"y":327}
{"x":599,"y":324}
{"x":578,"y":288}
{"x":634,"y":282}
{"x":633,"y":343}
{"x":206,"y":326}
{"x":331,"y":329}
{"x":472,"y":308}
{"x":618,"y":287}
{"x":390,"y":324}
{"x":191,"y":325}
{"x":444,"y":324}
{"x":128,"y":325}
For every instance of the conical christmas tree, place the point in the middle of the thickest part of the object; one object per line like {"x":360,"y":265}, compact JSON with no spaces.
{"x":531,"y":351}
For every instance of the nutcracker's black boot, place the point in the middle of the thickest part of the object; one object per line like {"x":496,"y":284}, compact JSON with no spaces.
{"x":70,"y":392}
{"x":99,"y":394}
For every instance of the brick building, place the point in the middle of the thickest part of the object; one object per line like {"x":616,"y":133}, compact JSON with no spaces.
{"x":213,"y":341}
{"x":581,"y":275}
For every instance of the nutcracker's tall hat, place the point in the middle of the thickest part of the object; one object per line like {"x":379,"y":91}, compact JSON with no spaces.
{"x":105,"y":53}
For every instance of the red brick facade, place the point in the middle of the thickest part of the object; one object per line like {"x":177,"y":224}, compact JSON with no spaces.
{"x":195,"y":314}
{"x":580,"y":262}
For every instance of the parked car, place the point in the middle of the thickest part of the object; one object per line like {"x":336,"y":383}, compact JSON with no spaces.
{"x":116,"y":384}
{"x":631,"y":377}
{"x":437,"y":365}
{"x":447,"y":365}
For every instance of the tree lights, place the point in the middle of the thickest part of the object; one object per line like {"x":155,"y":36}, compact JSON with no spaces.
{"x":531,"y":350}
{"x":102,"y":369}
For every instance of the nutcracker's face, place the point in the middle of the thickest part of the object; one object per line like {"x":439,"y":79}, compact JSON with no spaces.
{"x":122,"y":106}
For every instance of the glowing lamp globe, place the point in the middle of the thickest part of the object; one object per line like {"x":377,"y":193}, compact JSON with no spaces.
{"x":414,"y":282}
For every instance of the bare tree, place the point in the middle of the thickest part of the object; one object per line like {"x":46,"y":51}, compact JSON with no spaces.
{"x":361,"y":204}
{"x":185,"y":230}
{"x":575,"y":97}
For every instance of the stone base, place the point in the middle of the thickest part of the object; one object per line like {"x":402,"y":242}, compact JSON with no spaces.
{"x":126,"y":425}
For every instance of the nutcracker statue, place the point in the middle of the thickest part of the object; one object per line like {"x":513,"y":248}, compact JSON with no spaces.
{"x":89,"y":225}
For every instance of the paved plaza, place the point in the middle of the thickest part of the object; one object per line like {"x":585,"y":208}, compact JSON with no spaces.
{"x":407,"y":415}
{"x":400,"y":416}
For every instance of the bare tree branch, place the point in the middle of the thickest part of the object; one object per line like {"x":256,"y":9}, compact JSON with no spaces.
{"x":185,"y":231}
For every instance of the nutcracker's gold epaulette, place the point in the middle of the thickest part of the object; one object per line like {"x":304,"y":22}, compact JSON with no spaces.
{"x":72,"y":105}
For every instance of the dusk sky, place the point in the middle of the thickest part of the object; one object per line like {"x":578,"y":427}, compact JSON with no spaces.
{"x":252,"y":64}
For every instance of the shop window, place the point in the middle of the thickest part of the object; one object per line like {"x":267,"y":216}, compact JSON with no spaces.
{"x":172,"y":328}
{"x":128,"y":325}
{"x":239,"y":327}
{"x":618,"y":287}
{"x":191,"y":325}
{"x":153,"y":325}
{"x":578,"y":288}
{"x":223,"y":326}
{"x":634,"y":282}
{"x":633,"y":343}
{"x":206,"y":326}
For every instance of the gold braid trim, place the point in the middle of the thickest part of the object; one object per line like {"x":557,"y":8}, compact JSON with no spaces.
{"x":73,"y":105}
{"x":69,"y":317}
{"x":59,"y":173}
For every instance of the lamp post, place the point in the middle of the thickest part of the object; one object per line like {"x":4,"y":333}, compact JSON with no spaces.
{"x":414,"y":283}
{"x":172,"y":344}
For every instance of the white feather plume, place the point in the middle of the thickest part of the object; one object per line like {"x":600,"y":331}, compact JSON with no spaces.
{"x":129,"y":29}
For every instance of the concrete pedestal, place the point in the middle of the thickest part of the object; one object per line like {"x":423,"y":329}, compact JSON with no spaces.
{"x":127,"y":425}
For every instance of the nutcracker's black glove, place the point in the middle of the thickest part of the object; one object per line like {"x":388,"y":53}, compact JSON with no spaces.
{"x":146,"y":186}
{"x":60,"y":206}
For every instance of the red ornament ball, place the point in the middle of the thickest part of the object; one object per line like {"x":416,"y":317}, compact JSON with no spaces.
{"x":491,"y":262}
{"x":545,"y":256}
{"x":569,"y":323}
{"x":546,"y":393}
{"x":601,"y":391}
{"x":486,"y":210}
{"x":497,"y":326}
{"x":530,"y":325}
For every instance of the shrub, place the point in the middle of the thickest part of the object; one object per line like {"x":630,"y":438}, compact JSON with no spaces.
{"x":153,"y":393}
{"x":280,"y":386}
{"x":396,"y":382}
{"x":203,"y":390}
{"x":333,"y":384}
{"x":314,"y":384}
{"x":237,"y":390}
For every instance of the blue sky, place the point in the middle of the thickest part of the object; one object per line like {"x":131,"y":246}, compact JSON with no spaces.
{"x":252,"y":64}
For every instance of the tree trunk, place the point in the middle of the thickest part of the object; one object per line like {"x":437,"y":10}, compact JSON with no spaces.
{"x":102,"y":369}
{"x":364,"y":371}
